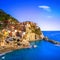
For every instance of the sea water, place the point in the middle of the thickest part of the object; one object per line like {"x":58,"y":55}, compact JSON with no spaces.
{"x":43,"y":51}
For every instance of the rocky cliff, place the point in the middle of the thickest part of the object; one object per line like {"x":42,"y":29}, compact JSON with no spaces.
{"x":15,"y":34}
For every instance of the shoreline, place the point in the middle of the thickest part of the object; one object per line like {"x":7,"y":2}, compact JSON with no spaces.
{"x":10,"y":49}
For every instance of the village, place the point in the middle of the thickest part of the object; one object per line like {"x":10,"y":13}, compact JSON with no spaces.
{"x":15,"y":35}
{"x":19,"y":35}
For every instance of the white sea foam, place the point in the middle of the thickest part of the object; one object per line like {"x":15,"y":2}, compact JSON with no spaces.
{"x":2,"y":54}
{"x":3,"y":57}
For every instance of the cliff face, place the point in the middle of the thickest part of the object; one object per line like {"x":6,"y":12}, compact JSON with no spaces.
{"x":33,"y":32}
{"x":14,"y":33}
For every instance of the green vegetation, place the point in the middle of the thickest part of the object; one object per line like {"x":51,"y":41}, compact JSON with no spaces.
{"x":5,"y":16}
{"x":5,"y":19}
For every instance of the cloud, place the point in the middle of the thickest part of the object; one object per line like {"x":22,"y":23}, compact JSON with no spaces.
{"x":46,"y":8}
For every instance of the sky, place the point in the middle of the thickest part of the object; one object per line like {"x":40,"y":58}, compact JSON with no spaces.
{"x":46,"y":13}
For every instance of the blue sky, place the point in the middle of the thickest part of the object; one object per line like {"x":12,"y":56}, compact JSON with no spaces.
{"x":46,"y":13}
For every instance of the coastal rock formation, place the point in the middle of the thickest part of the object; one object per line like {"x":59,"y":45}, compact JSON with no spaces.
{"x":15,"y":34}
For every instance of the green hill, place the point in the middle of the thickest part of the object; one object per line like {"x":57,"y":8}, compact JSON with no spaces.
{"x":5,"y":19}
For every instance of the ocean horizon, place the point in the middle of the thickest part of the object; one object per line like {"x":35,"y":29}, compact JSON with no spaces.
{"x":44,"y":50}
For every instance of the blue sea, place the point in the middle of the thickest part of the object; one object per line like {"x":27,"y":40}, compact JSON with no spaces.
{"x":44,"y":50}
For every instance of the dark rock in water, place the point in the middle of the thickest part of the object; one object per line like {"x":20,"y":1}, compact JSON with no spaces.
{"x":51,"y":41}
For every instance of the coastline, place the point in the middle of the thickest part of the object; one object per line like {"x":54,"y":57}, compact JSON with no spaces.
{"x":10,"y":49}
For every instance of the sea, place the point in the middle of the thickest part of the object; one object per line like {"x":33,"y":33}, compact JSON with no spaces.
{"x":44,"y":50}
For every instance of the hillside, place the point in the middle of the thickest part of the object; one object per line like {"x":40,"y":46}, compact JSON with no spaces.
{"x":15,"y":35}
{"x":5,"y":19}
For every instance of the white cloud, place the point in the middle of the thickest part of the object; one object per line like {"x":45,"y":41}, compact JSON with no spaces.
{"x":46,"y":8}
